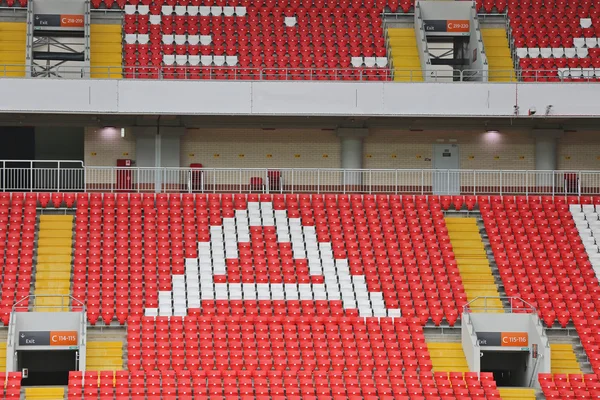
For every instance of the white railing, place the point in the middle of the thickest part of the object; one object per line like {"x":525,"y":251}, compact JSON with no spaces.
{"x":402,"y":75}
{"x":38,"y":175}
{"x":64,"y":177}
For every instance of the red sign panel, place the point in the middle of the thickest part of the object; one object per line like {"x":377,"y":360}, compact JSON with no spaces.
{"x":514,"y":339}
{"x":458,"y":25}
{"x":63,"y":338}
{"x":71,"y":21}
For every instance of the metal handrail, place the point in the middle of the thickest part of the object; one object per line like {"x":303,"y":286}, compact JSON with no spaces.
{"x":61,"y":177}
{"x":229,"y":73}
{"x":469,"y":308}
{"x":72,"y":302}
{"x":70,"y":305}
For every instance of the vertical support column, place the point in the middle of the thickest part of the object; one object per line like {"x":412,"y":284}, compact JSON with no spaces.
{"x":545,"y":152}
{"x":546,"y":160}
{"x":30,"y":40}
{"x":351,"y":143}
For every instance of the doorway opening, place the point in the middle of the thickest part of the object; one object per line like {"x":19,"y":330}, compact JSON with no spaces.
{"x":446,"y":165}
{"x":47,"y":367}
{"x":509,"y":367}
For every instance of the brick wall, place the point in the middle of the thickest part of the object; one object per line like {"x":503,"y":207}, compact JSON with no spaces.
{"x":579,"y":151}
{"x":257,"y":148}
{"x":103,"y":146}
{"x":478,"y":150}
{"x":384,"y":148}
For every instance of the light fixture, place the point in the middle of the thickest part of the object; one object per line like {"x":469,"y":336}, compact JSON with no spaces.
{"x":491,"y":136}
{"x":122,"y":132}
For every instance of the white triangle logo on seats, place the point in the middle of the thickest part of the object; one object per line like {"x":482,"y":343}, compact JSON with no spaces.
{"x":199,"y":284}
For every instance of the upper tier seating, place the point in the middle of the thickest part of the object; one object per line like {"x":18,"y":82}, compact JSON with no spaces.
{"x":13,"y":3}
{"x":553,"y":36}
{"x":553,"y":40}
{"x":180,"y":254}
{"x":255,"y":40}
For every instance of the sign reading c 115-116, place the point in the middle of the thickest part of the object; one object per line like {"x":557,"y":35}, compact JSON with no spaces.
{"x":48,"y":338}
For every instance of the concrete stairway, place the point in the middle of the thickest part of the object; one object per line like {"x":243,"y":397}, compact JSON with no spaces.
{"x":446,"y":351}
{"x":44,"y":393}
{"x":13,"y":40}
{"x":106,"y":348}
{"x":497,"y":50}
{"x":492,"y":262}
{"x":106,"y":43}
{"x":53,"y":263}
{"x":473,"y":264}
{"x":562,"y":342}
{"x":402,"y":47}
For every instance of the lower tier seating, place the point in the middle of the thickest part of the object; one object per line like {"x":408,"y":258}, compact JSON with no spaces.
{"x":571,"y":386}
{"x":17,"y":233}
{"x":542,"y":259}
{"x":10,"y":385}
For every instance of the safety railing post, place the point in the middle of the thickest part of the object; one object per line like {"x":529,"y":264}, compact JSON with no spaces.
{"x":268,"y":182}
{"x":214,"y":176}
{"x":318,"y":180}
{"x":501,"y":183}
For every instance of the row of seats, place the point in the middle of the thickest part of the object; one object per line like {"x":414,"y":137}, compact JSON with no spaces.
{"x":281,"y":385}
{"x":391,"y":5}
{"x":13,"y":3}
{"x":572,"y":386}
{"x":561,"y":75}
{"x":10,"y":385}
{"x":235,"y":73}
